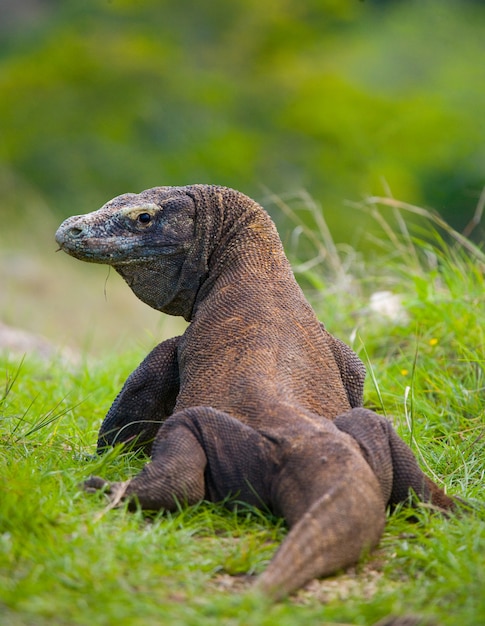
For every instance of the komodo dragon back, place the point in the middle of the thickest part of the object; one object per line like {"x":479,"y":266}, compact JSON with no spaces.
{"x":256,"y":400}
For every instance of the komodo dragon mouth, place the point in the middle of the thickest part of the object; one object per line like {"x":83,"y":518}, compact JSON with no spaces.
{"x":78,"y":244}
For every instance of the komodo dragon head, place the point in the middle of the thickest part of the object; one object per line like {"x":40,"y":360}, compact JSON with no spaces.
{"x":164,"y":241}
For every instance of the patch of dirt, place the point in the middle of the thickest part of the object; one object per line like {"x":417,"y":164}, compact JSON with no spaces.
{"x":233,"y":584}
{"x":360,"y":580}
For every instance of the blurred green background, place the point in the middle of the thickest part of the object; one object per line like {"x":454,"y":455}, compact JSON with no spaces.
{"x":340,"y":98}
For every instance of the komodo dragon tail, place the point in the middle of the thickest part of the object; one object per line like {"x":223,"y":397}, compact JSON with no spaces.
{"x":333,"y":534}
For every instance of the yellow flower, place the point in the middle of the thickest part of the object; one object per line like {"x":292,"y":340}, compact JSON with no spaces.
{"x":404,"y":372}
{"x":433,"y":341}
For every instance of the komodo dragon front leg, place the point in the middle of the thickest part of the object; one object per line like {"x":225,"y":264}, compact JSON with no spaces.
{"x":352,"y":370}
{"x":145,"y":401}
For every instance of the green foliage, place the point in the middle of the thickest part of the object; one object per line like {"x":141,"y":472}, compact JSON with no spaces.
{"x":65,"y":558}
{"x":99,"y":98}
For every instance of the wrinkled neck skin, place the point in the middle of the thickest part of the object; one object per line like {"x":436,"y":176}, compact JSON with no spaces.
{"x":143,"y":278}
{"x":242,"y":238}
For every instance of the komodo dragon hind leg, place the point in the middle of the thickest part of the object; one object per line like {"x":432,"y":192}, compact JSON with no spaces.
{"x":175,"y":475}
{"x":391,"y":459}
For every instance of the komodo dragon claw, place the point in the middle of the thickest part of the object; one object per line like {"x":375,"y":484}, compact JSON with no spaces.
{"x":115,"y":491}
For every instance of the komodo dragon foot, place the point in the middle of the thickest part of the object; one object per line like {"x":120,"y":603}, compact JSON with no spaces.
{"x":115,"y":491}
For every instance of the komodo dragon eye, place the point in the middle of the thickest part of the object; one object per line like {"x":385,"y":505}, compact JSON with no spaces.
{"x":144,"y":218}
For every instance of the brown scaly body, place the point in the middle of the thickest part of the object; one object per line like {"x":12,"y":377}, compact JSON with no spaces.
{"x":256,"y":399}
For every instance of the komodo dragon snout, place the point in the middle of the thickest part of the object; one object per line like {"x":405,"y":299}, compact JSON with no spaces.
{"x":256,"y":399}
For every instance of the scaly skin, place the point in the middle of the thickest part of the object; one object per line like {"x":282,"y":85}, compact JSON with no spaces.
{"x":256,"y":399}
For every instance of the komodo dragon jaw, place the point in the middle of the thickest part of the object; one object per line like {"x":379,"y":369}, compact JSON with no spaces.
{"x":256,"y":399}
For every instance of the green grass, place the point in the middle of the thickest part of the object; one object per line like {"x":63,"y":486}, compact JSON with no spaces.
{"x":66,"y":559}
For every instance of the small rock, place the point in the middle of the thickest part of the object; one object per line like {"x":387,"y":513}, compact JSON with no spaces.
{"x":387,"y":304}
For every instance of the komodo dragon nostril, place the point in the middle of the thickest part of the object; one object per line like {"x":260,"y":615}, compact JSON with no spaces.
{"x":75,"y":232}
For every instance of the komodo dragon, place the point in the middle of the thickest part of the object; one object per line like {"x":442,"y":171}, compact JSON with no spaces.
{"x":256,"y":400}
